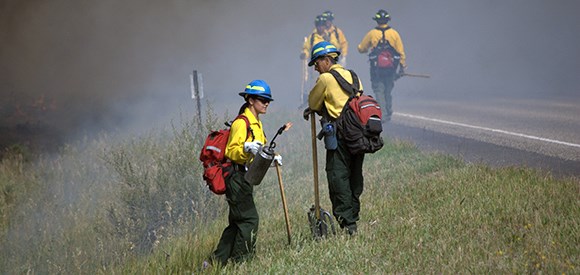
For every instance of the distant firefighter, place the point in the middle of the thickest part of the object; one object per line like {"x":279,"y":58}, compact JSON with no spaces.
{"x":318,"y":34}
{"x":386,"y":54}
{"x":334,"y":31}
{"x":324,"y":30}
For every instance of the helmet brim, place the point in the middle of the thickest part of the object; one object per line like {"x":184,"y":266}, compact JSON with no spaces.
{"x":314,"y":60}
{"x":243,"y":94}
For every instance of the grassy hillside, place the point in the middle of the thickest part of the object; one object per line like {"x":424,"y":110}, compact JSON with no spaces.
{"x":139,"y":206}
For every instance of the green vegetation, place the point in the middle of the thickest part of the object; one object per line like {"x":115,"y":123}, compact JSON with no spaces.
{"x":140,"y":206}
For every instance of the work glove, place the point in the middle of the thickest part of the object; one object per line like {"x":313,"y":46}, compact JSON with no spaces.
{"x":252,"y":147}
{"x":306,"y":113}
{"x":302,"y":56}
{"x":400,"y":73}
{"x":277,"y":159}
{"x":401,"y":70}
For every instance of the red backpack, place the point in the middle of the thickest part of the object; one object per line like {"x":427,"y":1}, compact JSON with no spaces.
{"x":216,"y":166}
{"x":359,"y":123}
{"x":384,"y":56}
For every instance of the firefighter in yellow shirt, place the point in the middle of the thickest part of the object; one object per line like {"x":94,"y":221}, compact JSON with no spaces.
{"x":319,"y":34}
{"x":386,"y":54}
{"x":238,"y":239}
{"x":343,"y":169}
{"x":339,"y":38}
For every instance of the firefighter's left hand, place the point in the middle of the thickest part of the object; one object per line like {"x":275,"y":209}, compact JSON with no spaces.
{"x":401,"y":70}
{"x":277,"y":160}
{"x":252,"y":147}
{"x":307,"y":113}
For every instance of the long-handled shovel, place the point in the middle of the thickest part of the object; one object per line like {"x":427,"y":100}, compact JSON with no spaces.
{"x":283,"y":201}
{"x":285,"y":127}
{"x":318,"y":218}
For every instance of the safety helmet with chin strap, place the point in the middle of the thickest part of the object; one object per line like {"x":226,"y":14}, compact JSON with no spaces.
{"x":382,"y":15}
{"x":322,"y":49}
{"x":320,"y":20}
{"x":329,"y":15}
{"x":257,"y":88}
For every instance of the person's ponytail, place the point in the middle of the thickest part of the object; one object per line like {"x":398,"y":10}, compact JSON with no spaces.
{"x":244,"y":106}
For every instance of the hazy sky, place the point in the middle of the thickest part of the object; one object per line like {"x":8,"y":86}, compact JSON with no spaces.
{"x":117,"y":63}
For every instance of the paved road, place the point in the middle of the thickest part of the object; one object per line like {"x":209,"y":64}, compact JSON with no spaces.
{"x":538,"y":133}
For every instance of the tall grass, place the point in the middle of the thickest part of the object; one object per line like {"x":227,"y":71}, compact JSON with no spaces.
{"x":100,"y":203}
{"x":422,"y":213}
{"x":140,"y":206}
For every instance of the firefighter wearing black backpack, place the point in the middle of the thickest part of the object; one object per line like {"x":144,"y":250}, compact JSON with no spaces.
{"x":343,"y":169}
{"x":238,"y":239}
{"x":386,"y":54}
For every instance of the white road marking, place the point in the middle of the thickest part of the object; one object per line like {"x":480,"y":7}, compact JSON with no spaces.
{"x":491,"y":130}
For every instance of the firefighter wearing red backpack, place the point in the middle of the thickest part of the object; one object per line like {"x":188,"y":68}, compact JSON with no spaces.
{"x":343,"y":169}
{"x":386,"y":54}
{"x":238,"y":239}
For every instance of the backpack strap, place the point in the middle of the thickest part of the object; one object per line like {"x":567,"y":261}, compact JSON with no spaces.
{"x":384,"y":39}
{"x":312,"y":38}
{"x":248,"y":128}
{"x":350,"y":89}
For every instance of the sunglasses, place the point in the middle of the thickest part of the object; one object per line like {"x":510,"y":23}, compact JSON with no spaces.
{"x":263,"y":100}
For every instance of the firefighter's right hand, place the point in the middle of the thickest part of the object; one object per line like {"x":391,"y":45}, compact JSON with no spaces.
{"x":302,"y":56}
{"x":306,"y":113}
{"x":277,"y":160}
{"x":252,"y":147}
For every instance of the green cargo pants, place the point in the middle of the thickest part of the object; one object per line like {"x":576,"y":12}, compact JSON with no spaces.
{"x":382,"y":88}
{"x":345,"y":184}
{"x":239,"y":237}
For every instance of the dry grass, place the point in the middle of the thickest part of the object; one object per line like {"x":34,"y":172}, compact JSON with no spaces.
{"x":140,"y":206}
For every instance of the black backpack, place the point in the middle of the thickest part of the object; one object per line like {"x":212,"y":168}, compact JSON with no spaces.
{"x":359,"y":123}
{"x":384,"y":56}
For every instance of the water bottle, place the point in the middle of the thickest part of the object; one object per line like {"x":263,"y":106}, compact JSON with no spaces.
{"x":330,"y":142}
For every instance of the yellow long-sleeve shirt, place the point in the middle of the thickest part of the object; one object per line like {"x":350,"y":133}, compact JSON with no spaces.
{"x":342,"y":43}
{"x":327,"y":91}
{"x":316,"y":37}
{"x":373,"y":37}
{"x":239,"y":134}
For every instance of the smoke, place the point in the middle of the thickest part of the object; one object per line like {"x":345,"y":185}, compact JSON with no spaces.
{"x":491,"y":48}
{"x":79,"y":67}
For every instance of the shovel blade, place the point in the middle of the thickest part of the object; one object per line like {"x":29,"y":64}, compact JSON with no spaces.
{"x":320,"y":228}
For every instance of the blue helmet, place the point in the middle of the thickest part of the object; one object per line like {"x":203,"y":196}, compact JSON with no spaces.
{"x":258,"y":88}
{"x":321,"y":49}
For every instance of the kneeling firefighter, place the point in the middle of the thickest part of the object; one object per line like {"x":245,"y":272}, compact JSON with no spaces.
{"x":343,"y":169}
{"x":238,"y":239}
